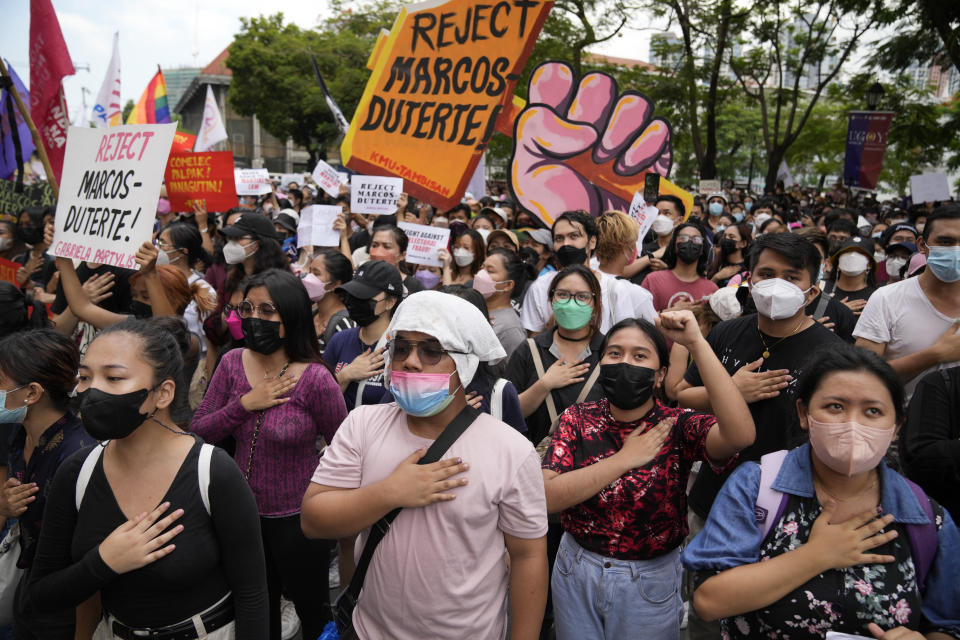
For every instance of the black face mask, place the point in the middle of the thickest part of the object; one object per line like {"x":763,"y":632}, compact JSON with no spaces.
{"x":108,"y":416}
{"x":688,"y":252}
{"x":32,"y":235}
{"x":626,"y":386}
{"x":262,"y":336}
{"x":363,"y":312}
{"x":728,"y":245}
{"x":568,"y":255}
{"x":140,"y":310}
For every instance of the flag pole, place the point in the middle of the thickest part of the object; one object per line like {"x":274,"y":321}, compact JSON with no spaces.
{"x":37,"y":141}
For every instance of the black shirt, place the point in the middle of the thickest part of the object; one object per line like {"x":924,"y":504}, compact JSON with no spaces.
{"x":860,"y":294}
{"x":117,"y":302}
{"x":840,"y":315}
{"x":737,"y":343}
{"x":930,"y":440}
{"x":214,"y":554}
{"x":523,"y":374}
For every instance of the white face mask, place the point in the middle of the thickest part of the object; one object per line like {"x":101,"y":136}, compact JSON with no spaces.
{"x":662,"y":225}
{"x":463,"y":257}
{"x":163,"y":258}
{"x":759,"y":219}
{"x":235,"y":253}
{"x":777,"y":299}
{"x":879,"y":255}
{"x":5,"y":243}
{"x":441,"y":222}
{"x":853,"y":263}
{"x":894,"y":265}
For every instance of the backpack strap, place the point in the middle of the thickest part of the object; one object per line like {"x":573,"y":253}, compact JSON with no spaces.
{"x":922,"y":537}
{"x":496,"y":398}
{"x":89,"y":464}
{"x":770,"y":502}
{"x":538,"y":365}
{"x":203,"y":473}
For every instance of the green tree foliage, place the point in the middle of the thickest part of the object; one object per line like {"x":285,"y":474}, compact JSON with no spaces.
{"x":926,"y":30}
{"x":127,"y":109}
{"x":273,"y":75}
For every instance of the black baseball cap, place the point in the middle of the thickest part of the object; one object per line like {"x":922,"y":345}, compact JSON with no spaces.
{"x":865,"y":245}
{"x":903,"y":226}
{"x":251,"y":224}
{"x":371,"y":278}
{"x":286,"y":221}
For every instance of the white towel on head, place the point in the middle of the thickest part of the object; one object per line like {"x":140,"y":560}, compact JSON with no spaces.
{"x":457,"y":324}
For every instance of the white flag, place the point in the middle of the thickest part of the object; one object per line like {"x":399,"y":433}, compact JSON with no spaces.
{"x":212,"y":130}
{"x":783,"y":173}
{"x":107,"y":110}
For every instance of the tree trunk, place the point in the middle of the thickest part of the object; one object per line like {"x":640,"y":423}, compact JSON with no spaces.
{"x":823,"y":179}
{"x":773,"y":167}
{"x":750,"y":175}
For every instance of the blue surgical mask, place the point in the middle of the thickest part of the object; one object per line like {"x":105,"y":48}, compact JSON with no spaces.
{"x":11,"y":416}
{"x":738,"y":215}
{"x":945,"y":263}
{"x":748,"y":206}
{"x":716,"y":208}
{"x":819,"y":275}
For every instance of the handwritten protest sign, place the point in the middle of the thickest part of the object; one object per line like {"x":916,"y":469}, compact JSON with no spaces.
{"x":328,"y":179}
{"x":929,"y":187}
{"x":34,"y":195}
{"x":316,"y":226}
{"x":109,"y":191}
{"x":8,"y":271}
{"x":252,"y":182}
{"x":709,"y":186}
{"x":372,"y":194}
{"x":439,"y":82}
{"x":183,"y":141}
{"x":644,"y":214}
{"x":205,"y":176}
{"x":424,"y":243}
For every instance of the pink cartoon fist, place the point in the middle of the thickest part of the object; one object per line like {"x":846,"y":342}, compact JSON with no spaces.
{"x":580,"y":146}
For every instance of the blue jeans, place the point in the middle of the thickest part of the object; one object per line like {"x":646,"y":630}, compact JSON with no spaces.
{"x":595,"y":597}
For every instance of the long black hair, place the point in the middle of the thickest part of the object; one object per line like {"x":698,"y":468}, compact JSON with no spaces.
{"x":19,"y":310}
{"x":43,"y":356}
{"x":670,"y":254}
{"x":293,"y":304}
{"x":186,"y":237}
{"x":518,"y":270}
{"x":338,"y":266}
{"x":846,"y":357}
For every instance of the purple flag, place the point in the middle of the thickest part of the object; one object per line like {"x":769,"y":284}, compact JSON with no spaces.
{"x":8,"y":159}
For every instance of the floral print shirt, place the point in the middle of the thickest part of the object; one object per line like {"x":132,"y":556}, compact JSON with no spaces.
{"x":844,"y":600}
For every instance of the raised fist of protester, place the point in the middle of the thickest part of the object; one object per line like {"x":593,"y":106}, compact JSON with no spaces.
{"x":561,"y":374}
{"x":200,"y":213}
{"x":146,"y":257}
{"x":16,"y":497}
{"x":140,"y":540}
{"x":417,"y":485}
{"x":569,"y":129}
{"x":756,"y":386}
{"x":680,"y":326}
{"x":268,"y":393}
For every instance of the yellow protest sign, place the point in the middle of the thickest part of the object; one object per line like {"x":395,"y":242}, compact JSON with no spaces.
{"x":440,"y":80}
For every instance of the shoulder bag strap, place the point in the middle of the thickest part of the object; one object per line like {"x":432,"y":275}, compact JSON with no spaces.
{"x":380,"y":528}
{"x":538,"y":365}
{"x":922,"y":537}
{"x":496,"y":398}
{"x":204,"y":461}
{"x":89,"y":464}
{"x":824,"y":300}
{"x":588,"y":385}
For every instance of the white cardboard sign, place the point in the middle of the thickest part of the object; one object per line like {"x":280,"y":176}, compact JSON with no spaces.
{"x":929,"y":187}
{"x":424,"y":243}
{"x":375,"y":194}
{"x":109,"y":192}
{"x":316,"y":226}
{"x":644,"y":214}
{"x":328,"y":179}
{"x":252,"y":182}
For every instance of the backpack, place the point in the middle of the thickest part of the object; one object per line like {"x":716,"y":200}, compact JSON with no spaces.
{"x":203,"y":473}
{"x":922,"y":537}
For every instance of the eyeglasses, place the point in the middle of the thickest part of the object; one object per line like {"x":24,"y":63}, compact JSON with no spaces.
{"x":429,"y":352}
{"x":693,"y":239}
{"x":164,"y":246}
{"x":228,"y":308}
{"x":583,"y":298}
{"x":263,"y":310}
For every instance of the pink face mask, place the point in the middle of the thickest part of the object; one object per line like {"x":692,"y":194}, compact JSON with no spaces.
{"x":234,"y":325}
{"x":849,"y":447}
{"x":483,"y":283}
{"x":316,"y":288}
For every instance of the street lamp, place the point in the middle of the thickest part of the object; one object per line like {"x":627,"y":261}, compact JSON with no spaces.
{"x":874,"y":96}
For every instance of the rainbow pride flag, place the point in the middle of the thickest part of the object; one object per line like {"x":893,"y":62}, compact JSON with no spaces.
{"x":152,"y":108}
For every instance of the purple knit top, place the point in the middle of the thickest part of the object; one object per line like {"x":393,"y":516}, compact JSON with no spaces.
{"x":286,"y":453}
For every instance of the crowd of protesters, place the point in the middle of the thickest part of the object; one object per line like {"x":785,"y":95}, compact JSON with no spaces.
{"x":745,"y":423}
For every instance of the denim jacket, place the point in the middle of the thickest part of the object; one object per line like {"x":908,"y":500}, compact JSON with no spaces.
{"x":732,"y":538}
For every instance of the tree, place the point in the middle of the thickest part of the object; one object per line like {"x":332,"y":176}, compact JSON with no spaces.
{"x":127,"y":108}
{"x":800,"y":48}
{"x":273,"y":76}
{"x":927,"y":30}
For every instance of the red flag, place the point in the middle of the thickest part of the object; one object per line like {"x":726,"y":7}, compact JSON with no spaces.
{"x":49,"y":63}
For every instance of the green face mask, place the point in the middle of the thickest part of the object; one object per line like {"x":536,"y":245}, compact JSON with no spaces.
{"x":571,"y":315}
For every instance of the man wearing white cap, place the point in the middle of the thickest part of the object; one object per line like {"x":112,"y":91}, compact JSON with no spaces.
{"x":439,"y":571}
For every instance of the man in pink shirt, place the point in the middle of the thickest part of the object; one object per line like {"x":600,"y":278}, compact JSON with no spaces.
{"x":441,"y":571}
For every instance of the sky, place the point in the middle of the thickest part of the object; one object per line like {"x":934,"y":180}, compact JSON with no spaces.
{"x":165,"y":32}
